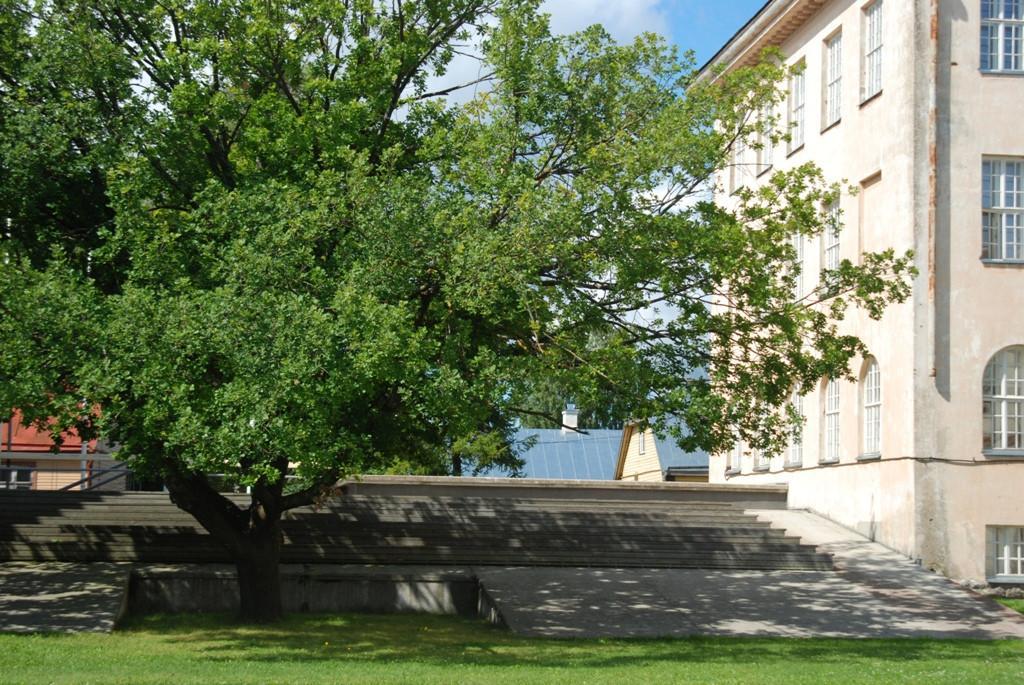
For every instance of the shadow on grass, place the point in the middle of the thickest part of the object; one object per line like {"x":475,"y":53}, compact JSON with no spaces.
{"x":443,"y":639}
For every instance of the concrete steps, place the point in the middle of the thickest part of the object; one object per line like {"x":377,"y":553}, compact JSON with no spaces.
{"x":460,"y":527}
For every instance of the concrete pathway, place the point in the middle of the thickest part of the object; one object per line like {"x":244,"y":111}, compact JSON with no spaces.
{"x":874,"y":592}
{"x":61,"y":596}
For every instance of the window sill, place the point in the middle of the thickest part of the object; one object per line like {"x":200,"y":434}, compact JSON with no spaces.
{"x":871,"y":98}
{"x":1000,"y":72}
{"x":832,"y":125}
{"x":1011,"y":263}
{"x":792,"y":465}
{"x":795,"y":150}
{"x":1006,"y":580}
{"x":871,"y":456}
{"x":733,"y":472}
{"x":1003,"y":453}
{"x":828,"y":462}
{"x":764,"y":171}
{"x":762,"y":469}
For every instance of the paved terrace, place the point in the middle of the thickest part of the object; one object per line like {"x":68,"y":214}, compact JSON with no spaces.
{"x":873,"y":593}
{"x":61,"y":597}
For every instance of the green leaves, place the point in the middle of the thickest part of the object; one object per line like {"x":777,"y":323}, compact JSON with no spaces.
{"x":283,"y":252}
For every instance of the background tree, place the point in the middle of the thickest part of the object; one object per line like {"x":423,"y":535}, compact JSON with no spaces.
{"x":298,"y":259}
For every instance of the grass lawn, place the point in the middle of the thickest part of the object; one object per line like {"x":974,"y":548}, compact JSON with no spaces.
{"x":425,"y":649}
{"x":1015,"y":604}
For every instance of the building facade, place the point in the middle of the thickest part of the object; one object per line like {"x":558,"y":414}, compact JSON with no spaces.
{"x":646,"y":456}
{"x":30,"y":461}
{"x":917,"y":103}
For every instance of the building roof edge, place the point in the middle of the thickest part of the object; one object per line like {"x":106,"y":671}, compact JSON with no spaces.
{"x":765,"y":21}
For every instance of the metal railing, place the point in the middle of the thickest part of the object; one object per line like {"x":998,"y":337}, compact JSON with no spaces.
{"x":114,"y":476}
{"x":42,"y":477}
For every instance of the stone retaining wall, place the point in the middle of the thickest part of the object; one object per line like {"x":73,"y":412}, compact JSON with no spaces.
{"x":176,"y":588}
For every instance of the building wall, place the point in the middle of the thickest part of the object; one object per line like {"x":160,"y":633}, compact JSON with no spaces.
{"x":64,"y":472}
{"x":933,"y":492}
{"x":872,"y":149}
{"x":966,"y":491}
{"x":876,"y":498}
{"x":641,"y":467}
{"x":957,"y":502}
{"x":47,"y":473}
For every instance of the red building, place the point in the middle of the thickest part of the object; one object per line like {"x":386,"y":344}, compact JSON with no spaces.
{"x":29,"y":460}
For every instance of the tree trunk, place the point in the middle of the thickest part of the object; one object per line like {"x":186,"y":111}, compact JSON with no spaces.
{"x":259,"y":573}
{"x":252,"y":537}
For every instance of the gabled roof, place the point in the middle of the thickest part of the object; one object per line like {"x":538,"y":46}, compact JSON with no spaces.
{"x":670,"y":454}
{"x":567,"y":455}
{"x":17,"y":437}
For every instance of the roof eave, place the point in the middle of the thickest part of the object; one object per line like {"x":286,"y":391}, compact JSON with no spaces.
{"x":620,"y":464}
{"x":771,"y":26}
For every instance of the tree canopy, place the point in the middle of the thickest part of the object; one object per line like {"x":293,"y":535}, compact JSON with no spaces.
{"x":246,"y":237}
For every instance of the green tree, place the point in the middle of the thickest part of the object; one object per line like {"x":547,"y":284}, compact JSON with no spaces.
{"x":299,"y":259}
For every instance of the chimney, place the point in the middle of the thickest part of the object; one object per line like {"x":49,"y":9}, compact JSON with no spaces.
{"x":570,"y":418}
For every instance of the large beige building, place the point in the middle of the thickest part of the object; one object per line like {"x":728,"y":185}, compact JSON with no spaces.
{"x":919,"y":103}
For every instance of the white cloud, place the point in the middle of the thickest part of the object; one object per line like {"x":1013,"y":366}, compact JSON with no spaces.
{"x":623,"y":19}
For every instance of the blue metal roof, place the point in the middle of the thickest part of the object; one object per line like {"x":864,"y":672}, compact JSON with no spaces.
{"x":568,"y":455}
{"x":670,"y":454}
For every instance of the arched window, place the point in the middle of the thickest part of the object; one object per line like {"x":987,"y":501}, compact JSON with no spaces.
{"x":871,"y":396}
{"x":1003,"y":401}
{"x":830,"y":425}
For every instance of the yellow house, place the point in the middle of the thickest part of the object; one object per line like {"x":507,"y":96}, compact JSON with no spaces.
{"x":644,"y":456}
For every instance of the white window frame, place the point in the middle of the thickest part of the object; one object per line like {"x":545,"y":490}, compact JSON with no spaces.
{"x":871,"y":56}
{"x":761,"y":461}
{"x":1002,"y":209}
{"x":830,"y":424}
{"x":797,"y":240}
{"x":797,"y":106}
{"x":795,"y":454}
{"x":1002,"y":37}
{"x":1005,"y":561}
{"x":832,"y":86}
{"x":17,"y":477}
{"x":765,"y":144}
{"x":734,"y":457}
{"x":871,"y":396}
{"x":830,"y":238}
{"x":1003,"y":403}
{"x":740,"y":172}
{"x":642,"y":442}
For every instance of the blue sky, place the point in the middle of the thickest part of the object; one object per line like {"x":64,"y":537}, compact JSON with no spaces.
{"x":705,"y":25}
{"x":698,"y":25}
